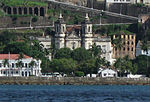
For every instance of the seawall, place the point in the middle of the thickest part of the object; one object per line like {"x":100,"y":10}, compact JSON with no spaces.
{"x":72,"y":81}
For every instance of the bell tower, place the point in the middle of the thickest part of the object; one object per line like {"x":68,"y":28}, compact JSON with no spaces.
{"x":87,"y":36}
{"x":60,"y":30}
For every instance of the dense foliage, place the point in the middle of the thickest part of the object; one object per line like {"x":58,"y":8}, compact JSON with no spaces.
{"x":22,"y":3}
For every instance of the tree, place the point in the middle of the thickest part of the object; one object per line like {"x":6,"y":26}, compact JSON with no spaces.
{"x":88,"y":66}
{"x":124,"y":65}
{"x":96,"y":50}
{"x":81,"y":54}
{"x":63,"y":65}
{"x":118,"y":43}
{"x":20,"y":65}
{"x":32,"y":64}
{"x":143,"y":64}
{"x":63,"y":53}
{"x":6,"y":62}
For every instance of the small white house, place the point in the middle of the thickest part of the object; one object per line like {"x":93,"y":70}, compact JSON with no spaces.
{"x":107,"y":72}
{"x":11,"y":65}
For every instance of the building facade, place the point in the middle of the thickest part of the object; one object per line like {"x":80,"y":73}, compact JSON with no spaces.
{"x":140,"y":51}
{"x":108,"y":72}
{"x":128,"y":43}
{"x":81,"y":36}
{"x":11,"y":65}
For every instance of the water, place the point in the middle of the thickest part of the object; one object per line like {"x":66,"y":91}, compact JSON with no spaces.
{"x":70,"y":93}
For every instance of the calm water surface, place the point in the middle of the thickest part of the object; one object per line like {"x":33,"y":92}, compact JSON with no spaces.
{"x":70,"y":93}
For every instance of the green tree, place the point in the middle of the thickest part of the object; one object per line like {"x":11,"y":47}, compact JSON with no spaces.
{"x":6,"y":62}
{"x":81,"y":54}
{"x":88,"y":66}
{"x":32,"y":64}
{"x":96,"y":51}
{"x":143,"y":64}
{"x":63,"y":53}
{"x":125,"y":65}
{"x":118,"y":42}
{"x":64,"y":65}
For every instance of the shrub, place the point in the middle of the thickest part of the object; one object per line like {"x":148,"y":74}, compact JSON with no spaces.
{"x":79,"y":73}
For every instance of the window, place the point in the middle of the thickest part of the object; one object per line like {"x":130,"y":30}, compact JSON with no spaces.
{"x":16,"y":72}
{"x":73,"y":45}
{"x":132,"y":43}
{"x":105,"y":74}
{"x":63,"y":28}
{"x":89,"y":29}
{"x":0,"y":64}
{"x":132,"y":49}
{"x":13,"y":65}
{"x":4,"y":72}
{"x":124,"y":48}
{"x":128,"y":48}
{"x":26,"y":65}
{"x":128,"y":42}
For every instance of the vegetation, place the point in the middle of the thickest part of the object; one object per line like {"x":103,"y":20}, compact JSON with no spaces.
{"x":22,"y":3}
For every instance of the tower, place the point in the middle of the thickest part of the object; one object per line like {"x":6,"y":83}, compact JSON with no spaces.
{"x":60,"y":29}
{"x":87,"y":36}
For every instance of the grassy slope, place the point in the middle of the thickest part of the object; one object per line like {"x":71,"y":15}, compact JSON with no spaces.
{"x":23,"y":3}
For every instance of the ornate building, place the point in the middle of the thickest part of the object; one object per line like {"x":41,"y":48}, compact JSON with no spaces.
{"x":81,"y":36}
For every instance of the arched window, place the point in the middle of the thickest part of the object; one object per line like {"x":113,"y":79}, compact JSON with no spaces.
{"x":30,"y":11}
{"x":36,"y":11}
{"x":25,"y":10}
{"x":20,"y":11}
{"x":9,"y":10}
{"x":73,"y":45}
{"x":89,"y":29}
{"x":14,"y":11}
{"x":41,"y":11}
{"x":63,"y":28}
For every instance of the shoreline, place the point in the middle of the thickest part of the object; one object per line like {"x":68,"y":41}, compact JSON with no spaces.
{"x":72,"y":81}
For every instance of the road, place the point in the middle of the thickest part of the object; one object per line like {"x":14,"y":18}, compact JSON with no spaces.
{"x":40,"y":27}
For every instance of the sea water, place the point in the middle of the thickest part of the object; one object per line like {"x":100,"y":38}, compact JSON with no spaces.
{"x":72,"y":93}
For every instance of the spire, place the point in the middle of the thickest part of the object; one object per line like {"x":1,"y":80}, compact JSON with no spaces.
{"x":60,"y":19}
{"x":87,"y":19}
{"x":87,"y":16}
{"x":60,"y":16}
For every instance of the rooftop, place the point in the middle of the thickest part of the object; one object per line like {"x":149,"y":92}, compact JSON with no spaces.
{"x":12,"y":56}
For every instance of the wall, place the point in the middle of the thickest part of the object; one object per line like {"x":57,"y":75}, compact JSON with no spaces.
{"x":73,"y":81}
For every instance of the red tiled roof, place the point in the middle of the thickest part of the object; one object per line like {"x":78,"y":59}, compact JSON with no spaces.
{"x":12,"y":56}
{"x":69,"y":29}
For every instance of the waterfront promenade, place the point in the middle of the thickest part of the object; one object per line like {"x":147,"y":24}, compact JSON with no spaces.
{"x":73,"y":81}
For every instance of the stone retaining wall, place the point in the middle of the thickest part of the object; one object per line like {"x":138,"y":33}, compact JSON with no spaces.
{"x":73,"y":81}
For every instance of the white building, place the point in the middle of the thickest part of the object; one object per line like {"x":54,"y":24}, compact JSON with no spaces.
{"x":107,"y":73}
{"x":45,"y":41}
{"x":120,"y":1}
{"x":106,"y":46}
{"x":11,"y":65}
{"x":46,"y":44}
{"x":139,"y":50}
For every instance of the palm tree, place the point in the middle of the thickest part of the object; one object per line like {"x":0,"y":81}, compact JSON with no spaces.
{"x":32,"y":64}
{"x":20,"y":65}
{"x":118,"y":42}
{"x":96,"y":50}
{"x":6,"y":63}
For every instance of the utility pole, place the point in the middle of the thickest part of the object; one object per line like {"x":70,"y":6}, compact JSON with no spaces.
{"x":120,"y":9}
{"x":100,"y":20}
